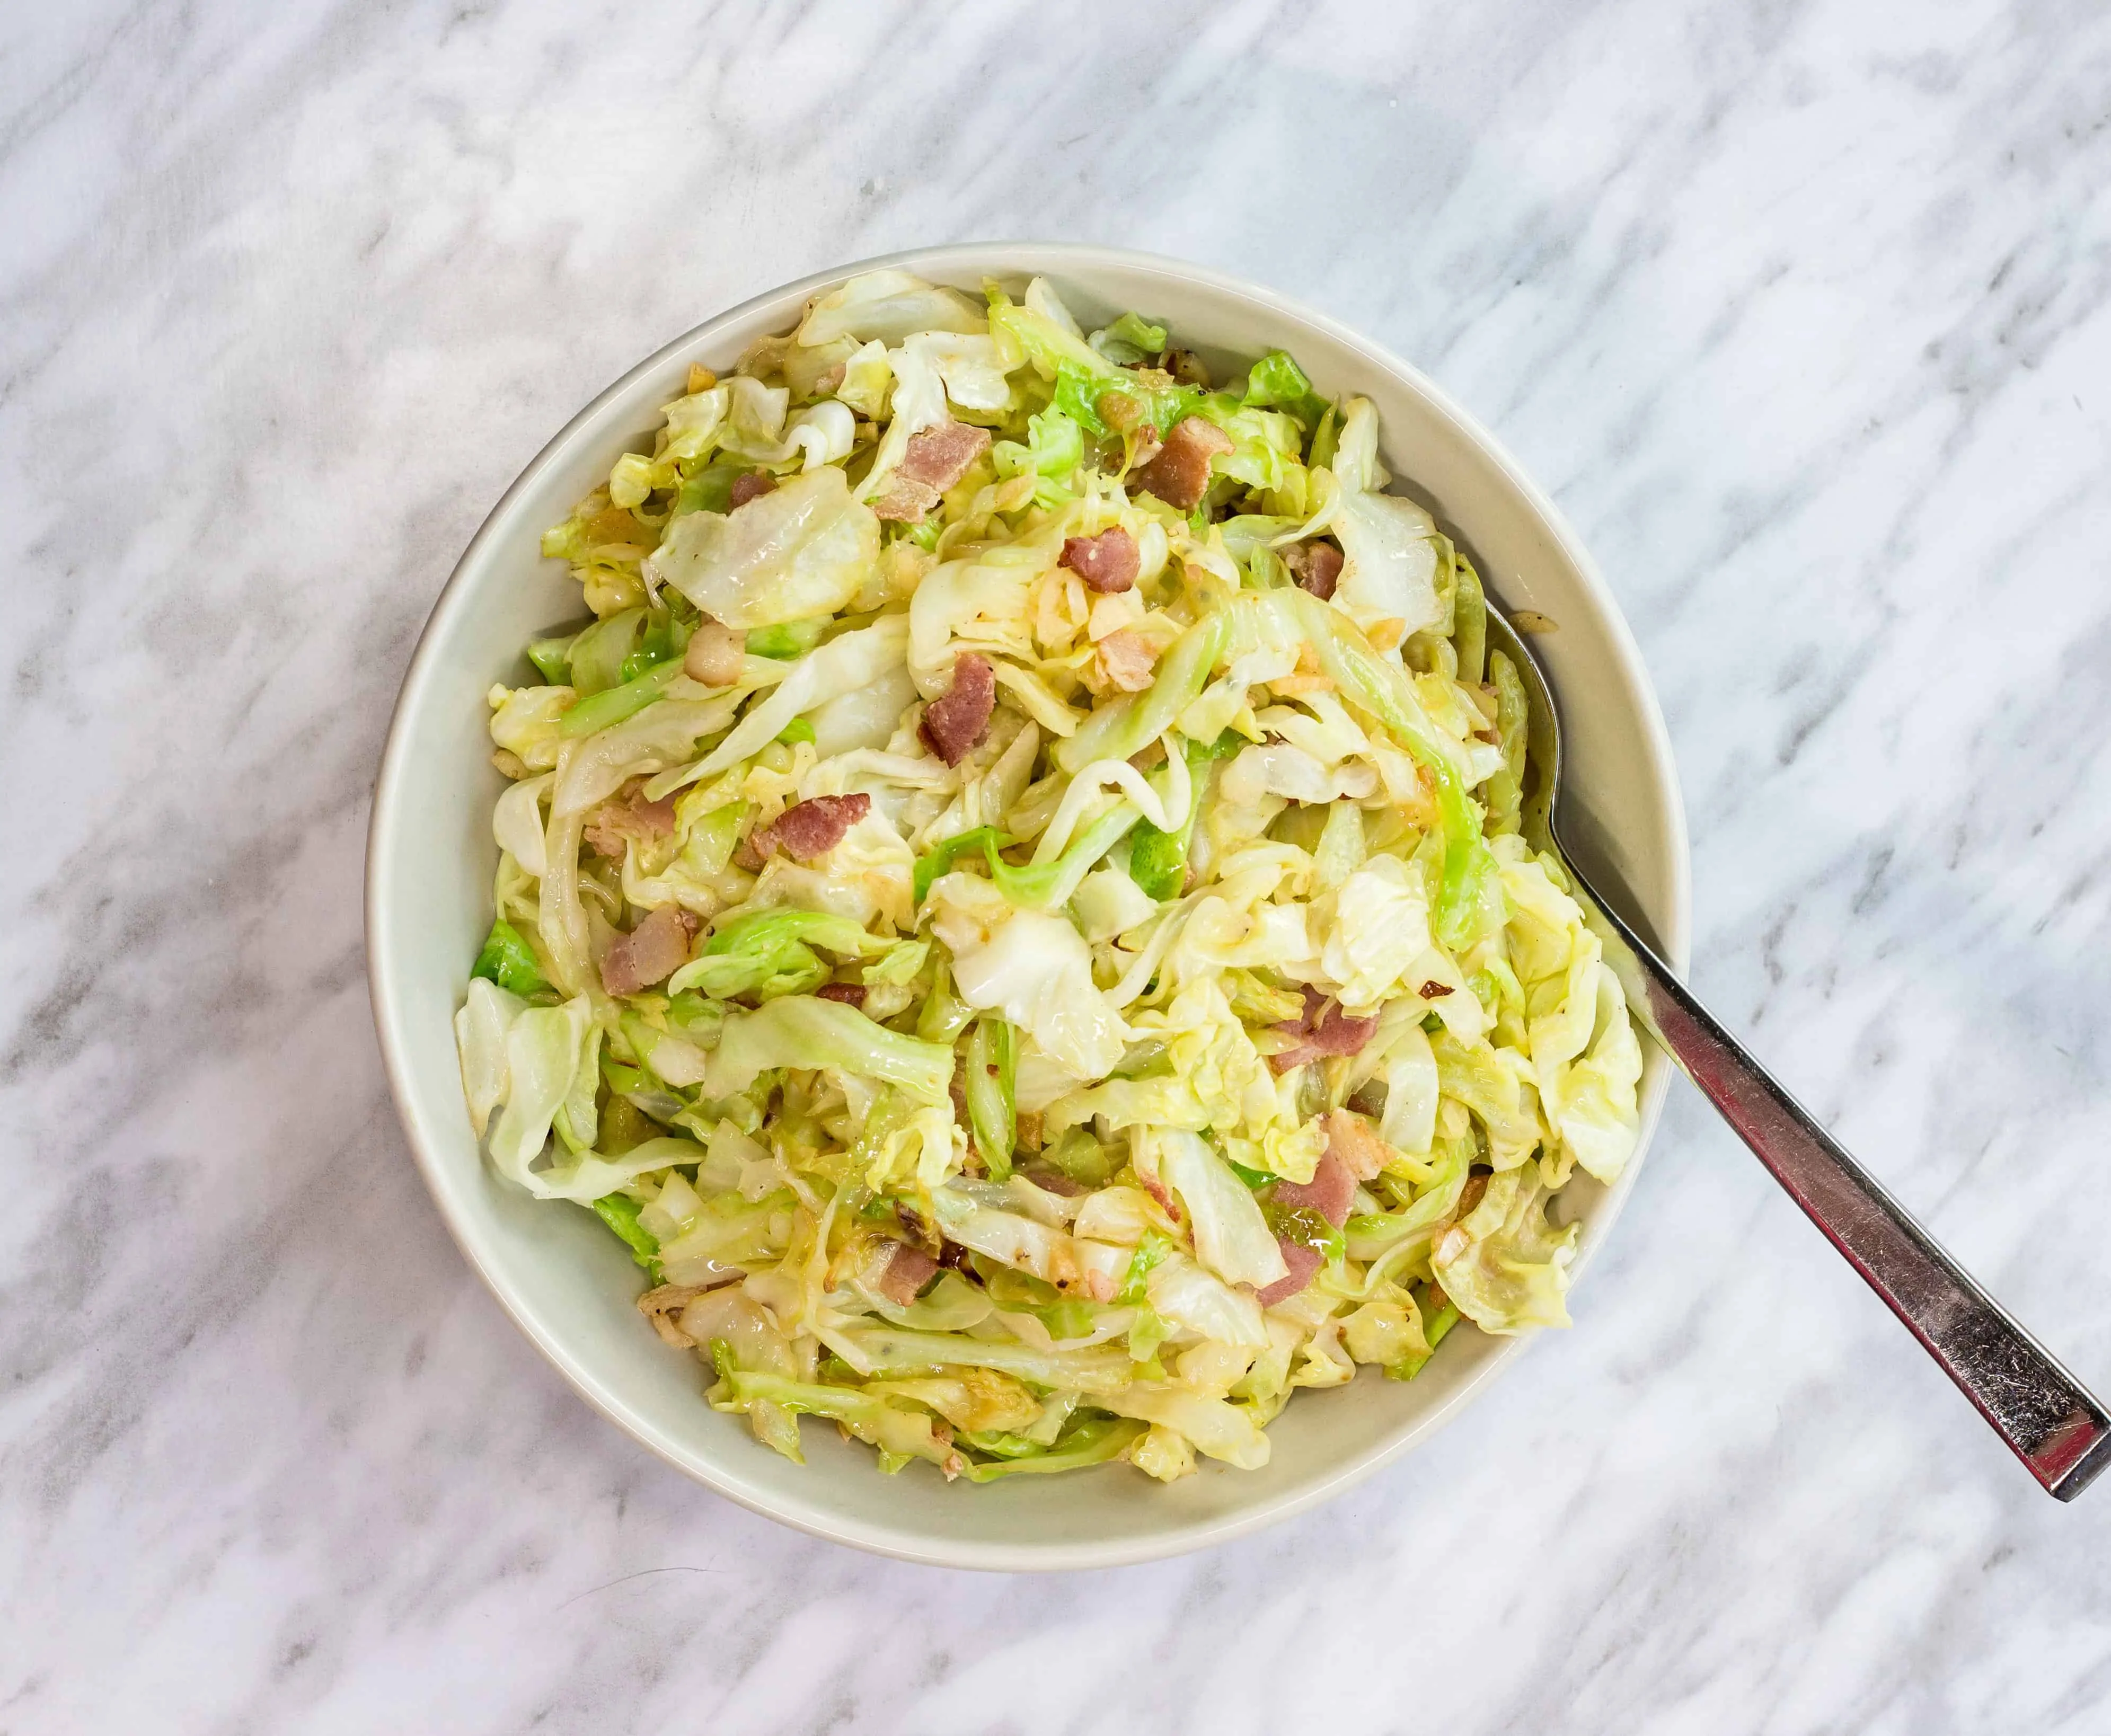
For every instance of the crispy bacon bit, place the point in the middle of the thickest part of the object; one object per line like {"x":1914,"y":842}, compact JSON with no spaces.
{"x":810,"y":828}
{"x":627,"y":815}
{"x":1180,"y":474}
{"x":954,"y":725}
{"x":663,"y":1306}
{"x":850,"y":993}
{"x":939,"y":456}
{"x":934,"y":459}
{"x":1304,"y":1263}
{"x":907,"y":1270}
{"x":1328,"y":1193}
{"x":1316,"y":566}
{"x":715,"y":655}
{"x":1322,"y":1029}
{"x":1107,"y":562}
{"x":749,"y":484}
{"x":1434,"y":990}
{"x":1349,"y":1138}
{"x":651,"y":953}
{"x":1127,"y":660}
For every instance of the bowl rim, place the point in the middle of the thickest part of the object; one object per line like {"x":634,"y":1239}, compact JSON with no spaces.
{"x":811,"y":1517}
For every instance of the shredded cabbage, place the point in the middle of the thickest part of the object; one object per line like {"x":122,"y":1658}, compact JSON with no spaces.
{"x":951,"y":1080}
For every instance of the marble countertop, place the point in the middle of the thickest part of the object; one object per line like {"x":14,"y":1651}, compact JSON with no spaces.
{"x":1800,"y":311}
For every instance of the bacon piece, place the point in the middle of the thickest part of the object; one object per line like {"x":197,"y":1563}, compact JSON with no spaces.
{"x":934,"y":459}
{"x":1107,"y":562}
{"x":747,"y":485}
{"x":1328,"y":1193}
{"x":810,"y":828}
{"x":850,"y":993}
{"x":1127,"y":660}
{"x":714,"y":656}
{"x":1304,"y":1263}
{"x":907,"y":1270}
{"x":651,"y":953}
{"x":1322,"y":1029}
{"x":1434,"y":990}
{"x":955,"y":724}
{"x":939,"y":455}
{"x":1349,"y":1138}
{"x":1316,"y":566}
{"x":627,"y":815}
{"x":1180,"y":474}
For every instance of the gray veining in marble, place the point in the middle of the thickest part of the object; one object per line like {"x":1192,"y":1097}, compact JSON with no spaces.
{"x":1800,"y":310}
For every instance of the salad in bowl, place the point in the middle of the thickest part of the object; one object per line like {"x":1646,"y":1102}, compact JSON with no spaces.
{"x":1014,"y":900}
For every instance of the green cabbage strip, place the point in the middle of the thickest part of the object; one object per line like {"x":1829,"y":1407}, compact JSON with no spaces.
{"x":992,"y":1065}
{"x":1150,"y":1254}
{"x":772,"y":951}
{"x":787,"y":639}
{"x":1045,"y":888}
{"x":1506,"y":789}
{"x":1470,"y":619}
{"x":508,"y":960}
{"x":1433,"y":1331}
{"x":613,"y":704}
{"x":1091,"y":1443}
{"x":944,"y":1015}
{"x":1158,"y":860}
{"x":940,"y":857}
{"x":1276,"y":382}
{"x":597,"y":656}
{"x":1386,"y":691}
{"x":553,"y":656}
{"x":1054,"y":447}
{"x":806,"y":1031}
{"x":1131,"y":339}
{"x":899,"y":1432}
{"x":619,"y":1212}
{"x":1117,"y":731}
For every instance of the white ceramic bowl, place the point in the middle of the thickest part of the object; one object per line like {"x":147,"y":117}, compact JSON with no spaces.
{"x":570,"y":1284}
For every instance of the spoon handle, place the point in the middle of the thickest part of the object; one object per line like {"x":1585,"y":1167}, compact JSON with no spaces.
{"x":2050,"y":1419}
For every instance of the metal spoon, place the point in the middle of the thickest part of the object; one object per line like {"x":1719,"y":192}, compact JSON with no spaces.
{"x":2049,"y":1419}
